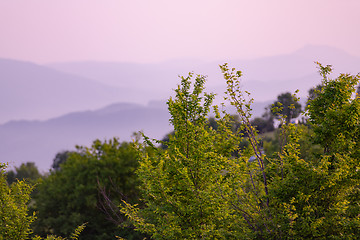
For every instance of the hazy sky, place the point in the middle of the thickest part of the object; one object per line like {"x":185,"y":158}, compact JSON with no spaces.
{"x":154,"y":30}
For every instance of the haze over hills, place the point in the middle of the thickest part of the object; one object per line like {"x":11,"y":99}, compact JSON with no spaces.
{"x":69,"y":98}
{"x":39,"y":141}
{"x":31,"y":91}
{"x":265,"y":78}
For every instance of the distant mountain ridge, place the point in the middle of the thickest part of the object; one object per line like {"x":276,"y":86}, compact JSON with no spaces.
{"x":39,"y":141}
{"x":279,"y":74}
{"x":31,"y":91}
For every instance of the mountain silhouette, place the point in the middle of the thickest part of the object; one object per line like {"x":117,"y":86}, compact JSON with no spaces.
{"x":264,"y":78}
{"x":39,"y":141}
{"x":31,"y":91}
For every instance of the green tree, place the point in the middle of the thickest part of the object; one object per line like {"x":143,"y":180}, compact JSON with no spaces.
{"x":14,"y":219}
{"x":334,"y":113}
{"x":27,"y":171}
{"x":197,"y":189}
{"x":180,"y":184}
{"x":59,"y":159}
{"x":318,"y":196}
{"x":71,"y":195}
{"x":314,"y":194}
{"x":286,"y":105}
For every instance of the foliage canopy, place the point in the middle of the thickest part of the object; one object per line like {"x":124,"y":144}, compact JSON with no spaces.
{"x":70,"y":195}
{"x":198,"y":188}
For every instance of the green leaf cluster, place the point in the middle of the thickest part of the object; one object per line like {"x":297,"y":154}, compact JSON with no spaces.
{"x":14,"y":219}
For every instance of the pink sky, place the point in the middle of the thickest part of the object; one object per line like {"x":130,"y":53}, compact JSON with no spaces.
{"x":155,"y":30}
